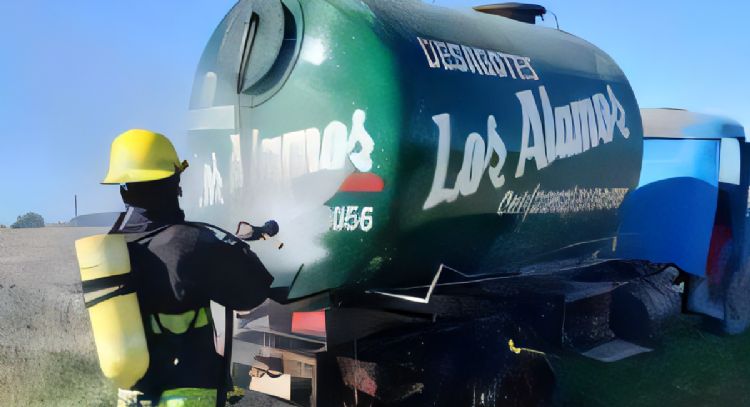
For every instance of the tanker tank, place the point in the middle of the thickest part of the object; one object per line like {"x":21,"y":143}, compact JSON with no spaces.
{"x":391,"y":139}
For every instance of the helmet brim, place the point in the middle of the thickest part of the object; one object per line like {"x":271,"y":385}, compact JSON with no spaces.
{"x":133,"y":176}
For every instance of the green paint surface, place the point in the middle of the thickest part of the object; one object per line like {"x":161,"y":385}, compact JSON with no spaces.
{"x":368,"y":57}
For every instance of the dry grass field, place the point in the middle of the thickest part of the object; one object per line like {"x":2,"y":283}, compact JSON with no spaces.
{"x":47,"y":353}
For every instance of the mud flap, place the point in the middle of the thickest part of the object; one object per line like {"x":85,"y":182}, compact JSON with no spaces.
{"x":737,"y":306}
{"x":625,"y":322}
{"x":727,"y":299}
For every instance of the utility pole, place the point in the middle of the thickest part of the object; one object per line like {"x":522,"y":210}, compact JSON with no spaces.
{"x":76,"y":204}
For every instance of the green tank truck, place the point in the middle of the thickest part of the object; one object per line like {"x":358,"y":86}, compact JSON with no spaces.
{"x":388,"y":139}
{"x":454,"y":194}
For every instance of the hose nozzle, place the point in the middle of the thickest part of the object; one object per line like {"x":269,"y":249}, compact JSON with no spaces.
{"x":265,"y":232}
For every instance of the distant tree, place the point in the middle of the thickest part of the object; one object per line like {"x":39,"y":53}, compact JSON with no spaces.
{"x":29,"y":220}
{"x":3,"y":226}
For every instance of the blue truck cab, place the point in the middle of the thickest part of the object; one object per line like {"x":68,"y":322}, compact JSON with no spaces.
{"x":691,"y":208}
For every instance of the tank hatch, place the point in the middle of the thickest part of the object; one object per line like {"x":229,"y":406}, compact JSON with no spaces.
{"x":523,"y":12}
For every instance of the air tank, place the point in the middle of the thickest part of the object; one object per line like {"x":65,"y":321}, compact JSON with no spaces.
{"x":390,"y":139}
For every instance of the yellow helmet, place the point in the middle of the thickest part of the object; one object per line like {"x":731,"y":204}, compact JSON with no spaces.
{"x":141,"y":156}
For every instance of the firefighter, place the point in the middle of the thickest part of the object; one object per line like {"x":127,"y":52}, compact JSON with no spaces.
{"x":177,"y":268}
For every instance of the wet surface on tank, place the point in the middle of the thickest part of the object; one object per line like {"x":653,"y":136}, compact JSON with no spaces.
{"x":469,"y":148}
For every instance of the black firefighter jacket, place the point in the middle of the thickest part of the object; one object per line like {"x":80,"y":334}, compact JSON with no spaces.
{"x":180,"y":267}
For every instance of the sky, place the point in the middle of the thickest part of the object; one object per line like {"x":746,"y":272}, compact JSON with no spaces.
{"x":75,"y":73}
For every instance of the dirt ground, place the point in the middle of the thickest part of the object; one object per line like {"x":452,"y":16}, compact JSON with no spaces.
{"x":47,"y":353}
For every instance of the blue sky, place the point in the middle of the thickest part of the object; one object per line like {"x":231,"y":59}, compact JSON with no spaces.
{"x":75,"y":73}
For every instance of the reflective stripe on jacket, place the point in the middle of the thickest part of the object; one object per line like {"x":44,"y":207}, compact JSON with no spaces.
{"x":188,"y":398}
{"x":180,"y":323}
{"x":170,"y":398}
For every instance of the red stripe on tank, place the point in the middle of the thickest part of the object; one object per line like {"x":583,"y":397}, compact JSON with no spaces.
{"x":363,"y":182}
